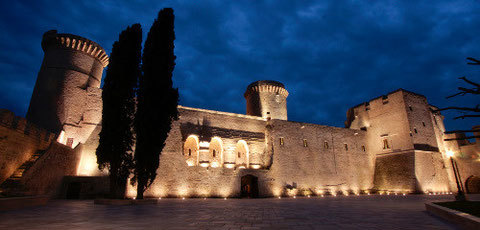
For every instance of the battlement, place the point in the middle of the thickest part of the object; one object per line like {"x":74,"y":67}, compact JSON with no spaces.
{"x":21,"y":125}
{"x":69,"y":41}
{"x":266,"y":86}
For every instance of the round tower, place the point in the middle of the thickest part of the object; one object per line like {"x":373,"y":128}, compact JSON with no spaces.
{"x":67,"y":95}
{"x":267,"y":99}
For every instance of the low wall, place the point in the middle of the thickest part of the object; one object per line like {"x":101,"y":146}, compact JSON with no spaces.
{"x":46,"y":175}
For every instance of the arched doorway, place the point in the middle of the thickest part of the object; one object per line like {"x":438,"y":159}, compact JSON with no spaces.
{"x":249,"y":186}
{"x":472,"y":185}
{"x":216,"y":152}
{"x":242,"y":154}
{"x":190,"y":150}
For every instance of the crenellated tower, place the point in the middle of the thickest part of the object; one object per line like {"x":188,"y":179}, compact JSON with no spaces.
{"x":267,"y":99}
{"x":67,"y":94}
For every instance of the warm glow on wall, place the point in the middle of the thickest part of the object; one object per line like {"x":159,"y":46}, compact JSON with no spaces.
{"x":450,"y":153}
{"x":191,"y":162}
{"x":255,"y":166}
{"x":61,"y":138}
{"x":88,"y":164}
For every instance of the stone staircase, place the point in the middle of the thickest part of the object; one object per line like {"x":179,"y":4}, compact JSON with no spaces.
{"x":12,"y":185}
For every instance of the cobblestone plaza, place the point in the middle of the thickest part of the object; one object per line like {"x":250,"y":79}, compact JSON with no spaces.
{"x":352,"y":212}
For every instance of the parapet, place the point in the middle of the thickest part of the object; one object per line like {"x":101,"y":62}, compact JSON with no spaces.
{"x":69,"y":41}
{"x":21,"y":125}
{"x":266,"y":86}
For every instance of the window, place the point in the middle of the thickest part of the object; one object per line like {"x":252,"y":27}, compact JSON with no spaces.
{"x":189,"y":152}
{"x":386,"y":145}
{"x":410,"y":107}
{"x":281,"y":141}
{"x":325,"y":145}
{"x":415,"y":130}
{"x":385,"y":99}
{"x":346,"y":147}
{"x":214,"y":153}
{"x":69,"y":142}
{"x":239,"y":154}
{"x":363,"y":148}
{"x":423,"y":123}
{"x":305,"y":144}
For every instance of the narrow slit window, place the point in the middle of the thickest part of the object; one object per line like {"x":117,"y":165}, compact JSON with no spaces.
{"x":386,"y":145}
{"x":410,"y":107}
{"x":363,"y":148}
{"x":325,"y":145}
{"x":214,"y":153}
{"x":415,"y":130}
{"x":346,"y":147}
{"x":423,"y":123}
{"x":281,"y":141}
{"x":189,"y":152}
{"x":239,"y":154}
{"x":305,"y":144}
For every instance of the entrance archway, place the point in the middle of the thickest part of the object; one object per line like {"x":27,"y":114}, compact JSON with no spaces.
{"x":472,"y":185}
{"x":249,"y":186}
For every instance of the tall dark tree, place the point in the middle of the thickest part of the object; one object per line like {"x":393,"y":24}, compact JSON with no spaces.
{"x":157,"y":100}
{"x":116,"y":138}
{"x":466,"y":111}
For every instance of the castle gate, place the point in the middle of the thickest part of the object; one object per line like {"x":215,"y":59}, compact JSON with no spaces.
{"x":472,"y":185}
{"x":249,"y":186}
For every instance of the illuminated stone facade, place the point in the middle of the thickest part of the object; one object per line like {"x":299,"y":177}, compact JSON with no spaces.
{"x":392,"y":143}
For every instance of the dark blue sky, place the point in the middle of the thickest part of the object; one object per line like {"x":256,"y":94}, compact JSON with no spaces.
{"x":331,"y":55}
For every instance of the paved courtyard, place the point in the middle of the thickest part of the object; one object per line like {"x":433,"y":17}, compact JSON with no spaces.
{"x":352,"y":212}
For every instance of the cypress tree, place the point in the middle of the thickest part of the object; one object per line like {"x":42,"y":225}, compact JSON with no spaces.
{"x":116,"y":138}
{"x":157,"y":100}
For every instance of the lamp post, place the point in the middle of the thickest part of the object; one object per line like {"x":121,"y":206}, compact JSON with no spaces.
{"x":460,"y":196}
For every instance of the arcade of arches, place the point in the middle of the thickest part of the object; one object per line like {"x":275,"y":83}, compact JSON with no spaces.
{"x":214,"y":154}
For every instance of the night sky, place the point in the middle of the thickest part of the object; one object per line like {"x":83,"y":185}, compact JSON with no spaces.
{"x":331,"y":55}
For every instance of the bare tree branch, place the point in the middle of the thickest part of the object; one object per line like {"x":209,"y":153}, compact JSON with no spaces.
{"x":461,"y":138}
{"x":472,"y":91}
{"x":460,"y":108}
{"x":465,"y":116}
{"x":469,"y":82}
{"x":461,"y":93}
{"x":475,"y":61}
{"x":462,"y":131}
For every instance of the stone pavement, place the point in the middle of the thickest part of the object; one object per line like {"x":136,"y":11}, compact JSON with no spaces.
{"x":352,"y":212}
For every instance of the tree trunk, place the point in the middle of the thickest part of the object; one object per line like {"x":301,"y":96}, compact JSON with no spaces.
{"x":140,"y":188}
{"x":118,"y":185}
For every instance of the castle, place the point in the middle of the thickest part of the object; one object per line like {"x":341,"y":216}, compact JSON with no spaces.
{"x":391,"y":144}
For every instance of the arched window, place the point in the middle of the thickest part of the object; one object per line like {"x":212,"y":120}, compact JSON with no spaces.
{"x":216,"y":152}
{"x":190,"y":150}
{"x":242,"y":154}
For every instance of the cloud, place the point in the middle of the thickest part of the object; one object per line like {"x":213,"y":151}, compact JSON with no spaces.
{"x":331,"y":55}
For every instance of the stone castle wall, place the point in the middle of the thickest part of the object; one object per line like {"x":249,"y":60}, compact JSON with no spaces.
{"x":319,"y":158}
{"x":406,"y":137}
{"x":19,"y":140}
{"x":291,"y":168}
